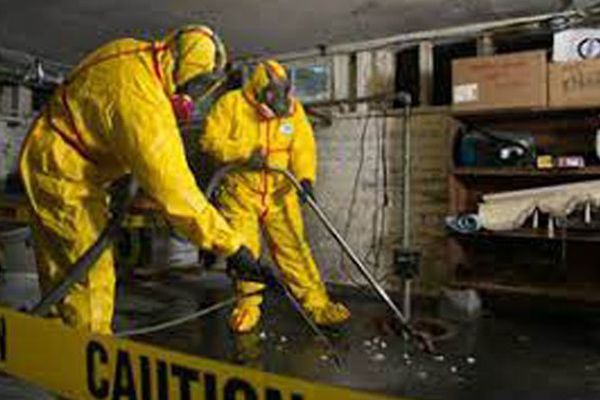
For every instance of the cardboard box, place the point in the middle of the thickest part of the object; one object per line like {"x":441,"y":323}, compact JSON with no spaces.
{"x":575,"y":84}
{"x":503,"y":81}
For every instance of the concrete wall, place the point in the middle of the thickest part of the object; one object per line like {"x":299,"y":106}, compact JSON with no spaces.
{"x":355,"y":200}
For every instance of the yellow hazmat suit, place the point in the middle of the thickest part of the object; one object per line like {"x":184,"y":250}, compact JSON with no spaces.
{"x":235,"y":129}
{"x":111,"y":117}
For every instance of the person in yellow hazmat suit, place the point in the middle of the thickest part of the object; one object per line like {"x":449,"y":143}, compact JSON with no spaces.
{"x":115,"y":114}
{"x":262,"y":121}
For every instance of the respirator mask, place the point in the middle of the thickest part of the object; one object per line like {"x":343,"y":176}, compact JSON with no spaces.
{"x":275,"y":99}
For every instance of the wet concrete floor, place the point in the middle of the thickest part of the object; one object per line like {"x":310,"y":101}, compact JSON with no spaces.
{"x":493,"y":357}
{"x":490,"y":358}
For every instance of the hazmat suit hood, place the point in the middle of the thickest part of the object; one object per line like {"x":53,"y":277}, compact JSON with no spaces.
{"x":196,"y":57}
{"x":268,"y":90}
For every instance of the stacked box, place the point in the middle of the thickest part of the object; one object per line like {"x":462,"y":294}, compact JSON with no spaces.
{"x":575,"y":84}
{"x":503,"y":81}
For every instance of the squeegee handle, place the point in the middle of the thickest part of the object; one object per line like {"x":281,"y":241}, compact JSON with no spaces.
{"x":423,"y":340}
{"x":345,"y":246}
{"x":379,"y":290}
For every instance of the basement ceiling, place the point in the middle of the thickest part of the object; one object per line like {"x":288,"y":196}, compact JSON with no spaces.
{"x":64,"y":30}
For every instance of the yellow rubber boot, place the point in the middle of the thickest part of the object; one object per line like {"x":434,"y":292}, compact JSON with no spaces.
{"x":244,"y":318}
{"x":330,"y":314}
{"x":246,"y":314}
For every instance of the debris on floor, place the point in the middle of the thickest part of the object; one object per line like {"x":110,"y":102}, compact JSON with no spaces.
{"x":382,"y":362}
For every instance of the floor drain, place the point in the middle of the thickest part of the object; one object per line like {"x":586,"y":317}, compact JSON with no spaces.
{"x":437,"y":329}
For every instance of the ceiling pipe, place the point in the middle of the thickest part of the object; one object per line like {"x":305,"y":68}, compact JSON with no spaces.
{"x":23,"y":68}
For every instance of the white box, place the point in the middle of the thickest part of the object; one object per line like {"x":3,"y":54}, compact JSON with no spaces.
{"x":576,"y":45}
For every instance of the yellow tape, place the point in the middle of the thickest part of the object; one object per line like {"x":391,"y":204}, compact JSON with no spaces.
{"x":78,"y":365}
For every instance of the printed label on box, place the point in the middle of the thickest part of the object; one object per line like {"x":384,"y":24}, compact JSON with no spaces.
{"x":576,"y":45}
{"x":466,"y":93}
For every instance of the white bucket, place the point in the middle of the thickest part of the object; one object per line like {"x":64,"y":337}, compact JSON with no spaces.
{"x":16,"y":251}
{"x":182,"y":253}
{"x":19,"y":289}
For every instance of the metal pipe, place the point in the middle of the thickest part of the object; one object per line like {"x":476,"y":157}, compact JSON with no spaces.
{"x":402,"y":96}
{"x":406,"y":206}
{"x":26,"y":68}
{"x":407,"y":176}
{"x":22,"y":57}
{"x":588,"y":213}
{"x":407,"y":298}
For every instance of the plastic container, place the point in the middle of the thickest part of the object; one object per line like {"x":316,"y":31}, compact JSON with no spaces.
{"x":460,"y":305}
{"x":182,"y":253}
{"x":16,"y":251}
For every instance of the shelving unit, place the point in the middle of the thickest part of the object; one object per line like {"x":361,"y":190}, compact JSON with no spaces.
{"x":509,"y":172}
{"x":585,"y":295}
{"x":533,"y":234}
{"x":528,"y":261}
{"x":525,"y":113}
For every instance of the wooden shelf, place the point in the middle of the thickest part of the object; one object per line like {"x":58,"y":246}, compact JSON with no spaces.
{"x":568,"y":130}
{"x":528,"y":113}
{"x":512,"y":171}
{"x":533,"y":234}
{"x":581,"y":294}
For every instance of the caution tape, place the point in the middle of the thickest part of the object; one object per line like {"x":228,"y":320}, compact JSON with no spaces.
{"x":78,"y":365}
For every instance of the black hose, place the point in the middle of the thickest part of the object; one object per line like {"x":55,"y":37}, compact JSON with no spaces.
{"x":125,"y":190}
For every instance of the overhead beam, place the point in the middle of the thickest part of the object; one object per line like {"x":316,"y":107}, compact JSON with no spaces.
{"x":432,"y":35}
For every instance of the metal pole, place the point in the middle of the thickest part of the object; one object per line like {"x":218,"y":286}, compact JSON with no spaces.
{"x":406,"y":206}
{"x":347,"y":249}
{"x":407,"y":176}
{"x":313,"y":326}
{"x":407,"y":298}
